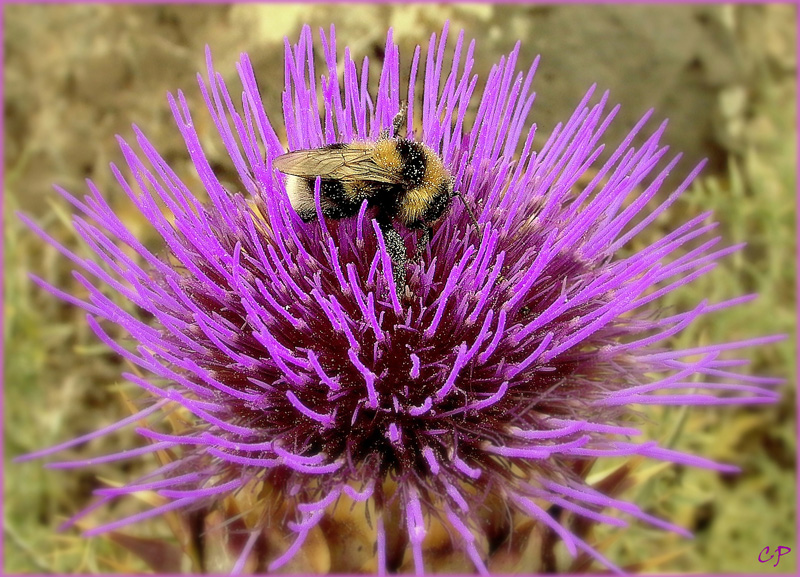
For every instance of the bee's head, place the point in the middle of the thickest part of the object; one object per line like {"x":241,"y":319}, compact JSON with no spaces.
{"x":436,"y":200}
{"x":441,"y":200}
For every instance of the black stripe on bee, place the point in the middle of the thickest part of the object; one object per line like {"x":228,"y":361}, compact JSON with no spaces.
{"x":330,"y":188}
{"x":413,"y":161}
{"x":342,"y":202}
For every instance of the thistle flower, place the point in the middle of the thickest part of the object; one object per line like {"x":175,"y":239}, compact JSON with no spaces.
{"x":304,"y":380}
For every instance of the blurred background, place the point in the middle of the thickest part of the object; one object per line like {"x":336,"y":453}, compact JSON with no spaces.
{"x":725,"y":76}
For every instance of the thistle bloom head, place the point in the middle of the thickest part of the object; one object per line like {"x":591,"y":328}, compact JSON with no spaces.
{"x":517,"y":356}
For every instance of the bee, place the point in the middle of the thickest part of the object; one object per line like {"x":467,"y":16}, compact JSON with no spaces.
{"x":404,"y":180}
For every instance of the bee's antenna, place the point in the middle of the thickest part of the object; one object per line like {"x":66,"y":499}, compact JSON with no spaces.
{"x":469,"y":209}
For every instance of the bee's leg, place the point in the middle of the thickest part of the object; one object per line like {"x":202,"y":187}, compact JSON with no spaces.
{"x":423,"y":243}
{"x":399,"y":122}
{"x":397,"y":252}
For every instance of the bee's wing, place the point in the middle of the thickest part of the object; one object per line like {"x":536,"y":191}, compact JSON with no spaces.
{"x":353,"y":162}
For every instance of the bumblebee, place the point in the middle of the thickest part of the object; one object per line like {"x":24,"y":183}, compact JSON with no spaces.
{"x":405,"y":180}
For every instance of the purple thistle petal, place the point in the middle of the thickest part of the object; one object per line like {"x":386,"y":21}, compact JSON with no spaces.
{"x":95,"y":434}
{"x":537,"y":512}
{"x":248,"y":547}
{"x":187,"y":478}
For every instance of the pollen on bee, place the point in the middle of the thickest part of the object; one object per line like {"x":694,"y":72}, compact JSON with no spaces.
{"x":387,"y":156}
